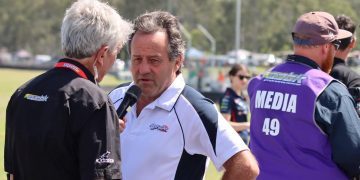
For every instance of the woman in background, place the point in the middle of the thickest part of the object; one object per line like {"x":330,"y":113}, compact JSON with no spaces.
{"x":234,"y":104}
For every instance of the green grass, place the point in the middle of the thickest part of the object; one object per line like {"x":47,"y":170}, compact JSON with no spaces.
{"x":11,"y":79}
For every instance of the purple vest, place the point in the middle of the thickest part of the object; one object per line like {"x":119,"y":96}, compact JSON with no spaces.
{"x":284,"y":136}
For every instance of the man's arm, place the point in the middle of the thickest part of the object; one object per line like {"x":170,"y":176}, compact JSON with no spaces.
{"x":242,"y":165}
{"x":336,"y":115}
{"x":9,"y":141}
{"x":98,"y":141}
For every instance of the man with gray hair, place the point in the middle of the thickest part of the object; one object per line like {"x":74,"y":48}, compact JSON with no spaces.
{"x":303,"y":122}
{"x":61,"y":125}
{"x":172,"y":128}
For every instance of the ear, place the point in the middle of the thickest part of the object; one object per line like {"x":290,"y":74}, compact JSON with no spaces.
{"x":231,"y":77}
{"x":179,"y":61}
{"x":325,"y":49}
{"x":353,"y":43}
{"x":100,"y":55}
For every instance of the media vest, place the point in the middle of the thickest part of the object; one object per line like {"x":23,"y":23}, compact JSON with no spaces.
{"x":285,"y":138}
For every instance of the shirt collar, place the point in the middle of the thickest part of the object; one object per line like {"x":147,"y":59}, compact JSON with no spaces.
{"x":338,"y":61}
{"x":303,"y":60}
{"x":233,"y":93}
{"x":89,"y":75}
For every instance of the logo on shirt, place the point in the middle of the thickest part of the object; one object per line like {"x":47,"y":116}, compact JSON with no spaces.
{"x":104,"y":159}
{"x":225,"y":102}
{"x":285,"y":78}
{"x":241,"y":106}
{"x":33,"y":97}
{"x":71,"y":66}
{"x":163,"y":128}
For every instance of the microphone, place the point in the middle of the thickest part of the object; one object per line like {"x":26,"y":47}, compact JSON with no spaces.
{"x":130,"y":98}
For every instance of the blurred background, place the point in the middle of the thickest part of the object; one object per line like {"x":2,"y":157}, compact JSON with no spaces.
{"x":218,"y":33}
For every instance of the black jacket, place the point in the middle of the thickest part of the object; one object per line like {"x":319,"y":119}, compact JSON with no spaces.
{"x":62,"y":126}
{"x":343,"y":73}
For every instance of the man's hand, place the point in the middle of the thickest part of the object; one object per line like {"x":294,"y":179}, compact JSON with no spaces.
{"x":122,"y":125}
{"x":9,"y":177}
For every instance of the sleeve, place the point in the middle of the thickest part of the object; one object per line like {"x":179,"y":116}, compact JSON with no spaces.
{"x":98,"y":142}
{"x":225,"y":104}
{"x":212,"y":136}
{"x":337,"y":117}
{"x":228,"y":143}
{"x":353,"y":79}
{"x":9,"y":143}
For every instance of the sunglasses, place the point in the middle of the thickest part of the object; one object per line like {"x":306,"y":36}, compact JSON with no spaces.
{"x":242,"y":77}
{"x":336,"y":43}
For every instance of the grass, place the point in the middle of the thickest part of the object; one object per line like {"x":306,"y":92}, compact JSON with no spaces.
{"x":11,"y":79}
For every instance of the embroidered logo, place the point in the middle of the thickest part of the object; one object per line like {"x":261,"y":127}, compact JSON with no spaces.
{"x":285,"y":78}
{"x":163,"y":128}
{"x":73,"y":67}
{"x":33,"y":97}
{"x":331,"y":34}
{"x":104,"y":159}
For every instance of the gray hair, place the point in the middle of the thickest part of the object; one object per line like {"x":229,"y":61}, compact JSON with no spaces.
{"x":90,"y":24}
{"x":158,"y":21}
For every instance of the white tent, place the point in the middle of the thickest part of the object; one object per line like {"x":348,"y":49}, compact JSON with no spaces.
{"x":193,"y":53}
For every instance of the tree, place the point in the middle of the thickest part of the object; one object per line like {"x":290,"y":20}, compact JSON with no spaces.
{"x":266,"y":25}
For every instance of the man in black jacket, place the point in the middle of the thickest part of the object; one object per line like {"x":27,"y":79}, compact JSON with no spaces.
{"x":340,"y":71}
{"x":61,"y":125}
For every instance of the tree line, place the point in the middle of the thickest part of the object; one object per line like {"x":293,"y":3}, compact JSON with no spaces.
{"x":34,"y":25}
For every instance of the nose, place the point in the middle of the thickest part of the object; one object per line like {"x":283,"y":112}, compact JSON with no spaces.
{"x":144,"y":68}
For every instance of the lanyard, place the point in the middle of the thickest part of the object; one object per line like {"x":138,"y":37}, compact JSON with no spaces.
{"x":74,"y":68}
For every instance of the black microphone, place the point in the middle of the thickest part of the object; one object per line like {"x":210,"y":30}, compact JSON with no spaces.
{"x":130,"y":98}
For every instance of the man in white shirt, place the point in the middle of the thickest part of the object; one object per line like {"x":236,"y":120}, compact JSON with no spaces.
{"x":172,"y":128}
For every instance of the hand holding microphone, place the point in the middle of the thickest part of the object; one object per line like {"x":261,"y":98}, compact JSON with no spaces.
{"x":130,"y":98}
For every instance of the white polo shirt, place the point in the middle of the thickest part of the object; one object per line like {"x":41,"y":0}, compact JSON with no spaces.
{"x":173,"y":136}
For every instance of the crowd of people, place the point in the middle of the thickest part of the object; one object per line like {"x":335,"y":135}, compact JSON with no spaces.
{"x":294,"y":121}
